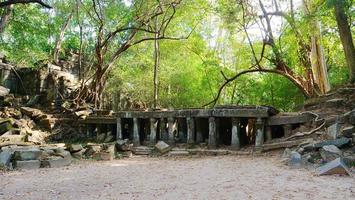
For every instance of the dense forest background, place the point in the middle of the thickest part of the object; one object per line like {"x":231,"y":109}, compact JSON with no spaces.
{"x":179,"y":53}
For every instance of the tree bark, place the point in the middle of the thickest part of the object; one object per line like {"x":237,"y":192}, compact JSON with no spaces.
{"x":156,"y":64}
{"x":5,"y":18}
{"x":60,"y":38}
{"x":346,"y":38}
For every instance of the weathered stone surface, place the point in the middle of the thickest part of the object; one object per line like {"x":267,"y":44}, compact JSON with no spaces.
{"x":79,"y":154}
{"x":330,"y":152}
{"x":101,"y":137}
{"x":123,"y":145}
{"x":337,"y":142}
{"x":14,"y":138}
{"x":352,"y":117}
{"x":179,"y":153}
{"x":103,"y":156}
{"x":336,"y":166}
{"x":4,"y":91}
{"x":333,"y":131}
{"x":142,"y":150}
{"x":92,"y":149}
{"x":5,"y":156}
{"x":31,"y":112}
{"x":72,"y":148}
{"x":348,"y":131}
{"x":27,"y":165}
{"x":56,"y":161}
{"x":27,"y":154}
{"x":295,"y":159}
{"x":162,"y":147}
{"x":83,"y":113}
{"x":109,"y":138}
{"x":5,"y":125}
{"x":112,"y":150}
{"x":335,"y":103}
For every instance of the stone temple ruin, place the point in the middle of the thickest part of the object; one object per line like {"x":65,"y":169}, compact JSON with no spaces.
{"x":232,"y":126}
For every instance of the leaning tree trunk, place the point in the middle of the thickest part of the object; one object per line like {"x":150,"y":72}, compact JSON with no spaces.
{"x":346,"y":38}
{"x":58,"y":45}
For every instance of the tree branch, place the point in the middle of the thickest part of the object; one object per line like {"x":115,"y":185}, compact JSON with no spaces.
{"x":11,"y":2}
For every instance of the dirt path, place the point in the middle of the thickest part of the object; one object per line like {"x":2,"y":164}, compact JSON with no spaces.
{"x":224,"y":177}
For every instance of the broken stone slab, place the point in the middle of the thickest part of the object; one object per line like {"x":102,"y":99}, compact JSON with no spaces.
{"x":72,"y":148}
{"x":101,"y":137}
{"x":31,"y":112}
{"x":336,"y":166}
{"x":162,"y":147}
{"x":109,"y":138}
{"x":5,"y":125}
{"x":5,"y":156}
{"x":179,"y":153}
{"x":333,"y":131}
{"x":4,"y":91}
{"x":14,"y":138}
{"x":27,"y":165}
{"x":330,"y":152}
{"x":27,"y":154}
{"x":92,"y":149}
{"x":83,"y":113}
{"x":55,"y":162}
{"x":337,"y":142}
{"x":348,"y":131}
{"x":142,"y":150}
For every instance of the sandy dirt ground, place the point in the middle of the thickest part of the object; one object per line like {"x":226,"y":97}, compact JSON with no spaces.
{"x":223,"y":177}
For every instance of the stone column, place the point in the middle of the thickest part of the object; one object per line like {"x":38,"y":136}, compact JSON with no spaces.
{"x":136,"y":141}
{"x":235,"y":143}
{"x":268,"y":133}
{"x":119,"y":129}
{"x":259,"y":140}
{"x":153,"y":130}
{"x":163,"y":132}
{"x":199,"y":135}
{"x":212,"y":143}
{"x":190,"y":130}
{"x":171,"y":128}
{"x":287,"y":130}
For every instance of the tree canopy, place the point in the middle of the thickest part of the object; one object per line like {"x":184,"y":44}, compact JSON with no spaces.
{"x":211,"y":52}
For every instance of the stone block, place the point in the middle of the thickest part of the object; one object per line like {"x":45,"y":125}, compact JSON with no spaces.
{"x":27,"y":154}
{"x":336,"y":166}
{"x":337,"y":142}
{"x":333,"y":131}
{"x":5,"y":156}
{"x":15,"y":138}
{"x":109,"y":138}
{"x":80,"y":154}
{"x":56,"y":161}
{"x":142,"y":150}
{"x":27,"y":165}
{"x":92,"y":149}
{"x":295,"y":159}
{"x":5,"y":125}
{"x":103,"y":156}
{"x":179,"y":153}
{"x":123,"y":145}
{"x":72,"y":148}
{"x":330,"y":152}
{"x":162,"y":147}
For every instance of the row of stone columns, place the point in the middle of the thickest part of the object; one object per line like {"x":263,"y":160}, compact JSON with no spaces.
{"x":191,"y":127}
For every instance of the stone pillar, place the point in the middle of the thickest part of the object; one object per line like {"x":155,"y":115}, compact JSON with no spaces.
{"x":171,"y":129}
{"x":259,"y":140}
{"x":136,"y":141}
{"x":153,"y":130}
{"x":199,"y":135}
{"x":119,"y":129}
{"x":212,"y":139}
{"x":190,"y":130}
{"x":287,"y":130}
{"x":268,"y":133}
{"x":163,"y":132}
{"x":235,"y":143}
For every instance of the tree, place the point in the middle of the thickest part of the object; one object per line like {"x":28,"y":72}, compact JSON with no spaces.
{"x":12,"y":2}
{"x":345,"y":36}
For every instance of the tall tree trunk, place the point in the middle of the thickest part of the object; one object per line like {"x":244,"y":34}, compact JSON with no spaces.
{"x":58,"y":45}
{"x":156,"y":65}
{"x":346,"y":38}
{"x":5,"y":18}
{"x":319,"y":68}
